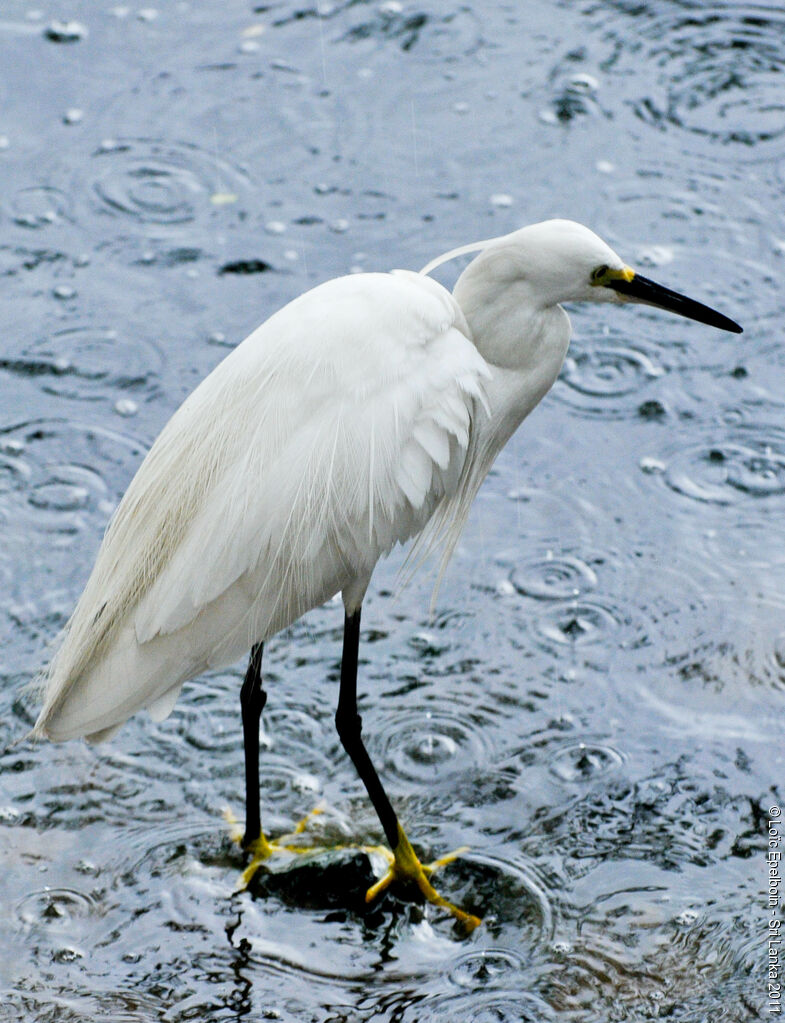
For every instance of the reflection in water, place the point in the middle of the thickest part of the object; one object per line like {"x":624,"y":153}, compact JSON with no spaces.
{"x":596,"y":707}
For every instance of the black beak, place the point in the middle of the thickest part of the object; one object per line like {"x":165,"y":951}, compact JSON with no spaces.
{"x":641,"y":289}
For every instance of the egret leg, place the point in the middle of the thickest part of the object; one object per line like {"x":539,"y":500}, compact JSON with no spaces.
{"x":404,"y":866}
{"x":252,"y":701}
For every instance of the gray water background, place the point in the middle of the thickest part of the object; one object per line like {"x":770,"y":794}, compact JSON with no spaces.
{"x":597,"y":707}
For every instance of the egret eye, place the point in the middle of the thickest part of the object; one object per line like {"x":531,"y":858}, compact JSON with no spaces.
{"x":598,"y":274}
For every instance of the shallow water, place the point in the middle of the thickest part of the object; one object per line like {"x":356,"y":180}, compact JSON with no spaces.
{"x":597,"y":707}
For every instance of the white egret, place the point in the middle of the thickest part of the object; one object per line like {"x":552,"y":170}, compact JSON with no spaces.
{"x":363,"y":412}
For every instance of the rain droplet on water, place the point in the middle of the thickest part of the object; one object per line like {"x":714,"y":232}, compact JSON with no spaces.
{"x":584,"y":762}
{"x":652,"y":466}
{"x":126,"y":407}
{"x":65,"y":31}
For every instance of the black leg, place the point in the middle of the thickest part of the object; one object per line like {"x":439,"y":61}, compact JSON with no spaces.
{"x":404,"y":864}
{"x":252,"y":701}
{"x":349,"y":725}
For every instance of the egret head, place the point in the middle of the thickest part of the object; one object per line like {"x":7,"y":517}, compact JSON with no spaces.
{"x":561,"y":261}
{"x":606,"y":278}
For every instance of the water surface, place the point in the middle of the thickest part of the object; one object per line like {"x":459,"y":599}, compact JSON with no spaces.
{"x":596,"y":708}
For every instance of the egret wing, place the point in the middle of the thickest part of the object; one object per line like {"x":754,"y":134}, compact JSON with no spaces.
{"x":329,"y":434}
{"x":360,"y":421}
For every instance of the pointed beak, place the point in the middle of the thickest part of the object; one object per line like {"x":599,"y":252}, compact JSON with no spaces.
{"x":640,"y":289}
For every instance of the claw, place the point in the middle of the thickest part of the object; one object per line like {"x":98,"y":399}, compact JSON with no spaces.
{"x":263,"y":848}
{"x":406,"y":867}
{"x":301,"y":825}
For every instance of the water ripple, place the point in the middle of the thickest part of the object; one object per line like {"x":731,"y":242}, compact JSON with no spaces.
{"x":584,"y":761}
{"x":83,"y":362}
{"x":517,"y":1005}
{"x":747,"y":546}
{"x":432,"y":747}
{"x":161,"y":183}
{"x":747,"y":464}
{"x":298,"y":736}
{"x":580,"y":623}
{"x":488,"y":967}
{"x":54,"y":907}
{"x":711,"y":207}
{"x":632,"y":952}
{"x":575,"y":95}
{"x":75,"y":1005}
{"x":456,"y":32}
{"x":55,"y":476}
{"x":554,"y":577}
{"x":39,"y":206}
{"x":719,"y":70}
{"x":606,"y":380}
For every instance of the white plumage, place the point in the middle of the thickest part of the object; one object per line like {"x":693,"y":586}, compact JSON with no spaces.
{"x":365,"y":409}
{"x":328,"y":435}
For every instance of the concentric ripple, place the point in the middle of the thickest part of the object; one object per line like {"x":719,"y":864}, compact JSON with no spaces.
{"x":748,"y":546}
{"x":85,"y":362}
{"x":54,"y":907}
{"x":554,"y":577}
{"x":56,"y":477}
{"x":690,"y":219}
{"x":748,"y":465}
{"x":488,"y":967}
{"x":602,"y":379}
{"x":429,"y":747}
{"x":583,"y":761}
{"x":207,"y":718}
{"x":298,"y":737}
{"x":574,"y":96}
{"x":621,"y":958}
{"x":720,"y":69}
{"x":580,"y":623}
{"x":155,"y":182}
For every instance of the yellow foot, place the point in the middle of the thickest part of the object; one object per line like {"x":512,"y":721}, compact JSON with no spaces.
{"x":406,"y":868}
{"x":263,"y":848}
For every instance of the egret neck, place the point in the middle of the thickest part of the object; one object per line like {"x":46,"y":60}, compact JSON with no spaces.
{"x":523,"y":338}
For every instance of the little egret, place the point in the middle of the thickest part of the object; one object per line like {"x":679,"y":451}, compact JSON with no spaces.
{"x":366,"y":410}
